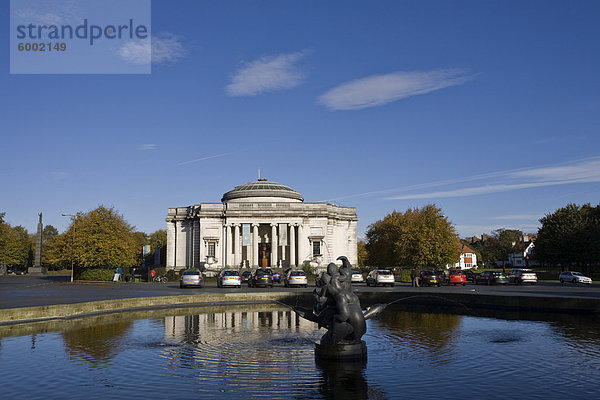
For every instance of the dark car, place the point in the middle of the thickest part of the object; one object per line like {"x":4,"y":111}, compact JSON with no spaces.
{"x":470,"y":275}
{"x":276,"y":275}
{"x":261,"y":277}
{"x":246,"y":276}
{"x":429,"y":278}
{"x":491,"y":278}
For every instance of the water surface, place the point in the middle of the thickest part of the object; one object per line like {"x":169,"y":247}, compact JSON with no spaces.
{"x":266,"y":351}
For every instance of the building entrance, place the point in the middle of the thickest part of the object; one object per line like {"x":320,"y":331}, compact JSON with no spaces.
{"x":264,"y":255}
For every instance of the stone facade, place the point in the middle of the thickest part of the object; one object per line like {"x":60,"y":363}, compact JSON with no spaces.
{"x":261,"y":223}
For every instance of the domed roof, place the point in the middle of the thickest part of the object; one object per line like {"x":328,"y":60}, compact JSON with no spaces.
{"x":262,"y":188}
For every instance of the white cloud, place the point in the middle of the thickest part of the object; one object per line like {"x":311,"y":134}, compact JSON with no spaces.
{"x":582,"y":171}
{"x":266,"y":74}
{"x":161,"y":49}
{"x":377,"y":90}
{"x":519,"y":217}
{"x":147,"y":146}
{"x":204,"y":158}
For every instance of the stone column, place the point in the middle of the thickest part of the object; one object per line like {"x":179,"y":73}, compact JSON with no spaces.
{"x":292,"y":245}
{"x":301,"y":242}
{"x":236,"y":245}
{"x":227,"y":259}
{"x":273,"y":245}
{"x":255,"y":240}
{"x":171,"y":232}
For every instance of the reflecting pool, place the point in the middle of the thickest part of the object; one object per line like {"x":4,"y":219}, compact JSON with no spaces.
{"x":266,"y":351}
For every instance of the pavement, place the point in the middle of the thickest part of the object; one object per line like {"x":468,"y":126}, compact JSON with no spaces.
{"x":34,"y":297}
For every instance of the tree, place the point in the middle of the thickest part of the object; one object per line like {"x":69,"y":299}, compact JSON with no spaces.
{"x":15,"y":246}
{"x":570,"y":236}
{"x":158,"y":240}
{"x":361,"y":250}
{"x":100,"y":238}
{"x":419,"y":237}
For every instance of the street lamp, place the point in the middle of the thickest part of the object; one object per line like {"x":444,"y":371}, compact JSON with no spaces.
{"x":72,"y":242}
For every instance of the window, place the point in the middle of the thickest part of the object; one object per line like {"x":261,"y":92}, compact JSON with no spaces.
{"x":316,"y":248}
{"x":211,"y":249}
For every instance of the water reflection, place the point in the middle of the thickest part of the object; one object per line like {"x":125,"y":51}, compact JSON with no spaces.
{"x":423,"y":333}
{"x":98,"y":343}
{"x":267,"y":351}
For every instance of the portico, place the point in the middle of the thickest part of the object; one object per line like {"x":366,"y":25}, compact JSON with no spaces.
{"x":260,"y":223}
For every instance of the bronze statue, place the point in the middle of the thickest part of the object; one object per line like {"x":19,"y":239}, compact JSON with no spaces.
{"x":338,"y":309}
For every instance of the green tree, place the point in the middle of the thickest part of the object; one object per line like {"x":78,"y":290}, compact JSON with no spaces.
{"x":420,"y":237}
{"x":570,"y":236}
{"x":100,"y":238}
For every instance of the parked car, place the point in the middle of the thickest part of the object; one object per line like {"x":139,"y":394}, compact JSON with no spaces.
{"x":522,"y":275}
{"x":574,"y":277}
{"x":380,"y":277}
{"x":456,"y":277}
{"x":229,"y":277}
{"x":192,"y":278}
{"x":491,"y":278}
{"x":261,"y":277}
{"x":245,"y":276}
{"x":357,"y":277}
{"x":295,"y":277}
{"x":276,"y":275}
{"x":470,"y":275}
{"x":429,"y":278}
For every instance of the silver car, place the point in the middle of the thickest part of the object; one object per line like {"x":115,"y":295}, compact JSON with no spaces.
{"x":191,"y":278}
{"x":357,"y":277}
{"x":229,"y":277}
{"x":295,"y":278}
{"x":522,"y":275}
{"x":574,"y":277}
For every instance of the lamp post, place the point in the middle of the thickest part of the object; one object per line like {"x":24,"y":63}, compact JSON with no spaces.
{"x":72,"y":242}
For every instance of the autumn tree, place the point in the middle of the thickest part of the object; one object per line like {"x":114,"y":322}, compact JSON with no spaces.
{"x":362,"y":254}
{"x":420,"y":237}
{"x":100,"y":238}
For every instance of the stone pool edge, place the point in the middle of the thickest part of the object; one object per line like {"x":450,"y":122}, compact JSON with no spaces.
{"x":552,"y":304}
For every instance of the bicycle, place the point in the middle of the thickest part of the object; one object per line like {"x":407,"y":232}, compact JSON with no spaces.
{"x":160,"y":278}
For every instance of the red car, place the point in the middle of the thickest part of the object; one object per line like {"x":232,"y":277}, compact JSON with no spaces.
{"x":457,"y":276}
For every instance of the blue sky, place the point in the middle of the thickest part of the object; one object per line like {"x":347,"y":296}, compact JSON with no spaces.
{"x":489,"y":109}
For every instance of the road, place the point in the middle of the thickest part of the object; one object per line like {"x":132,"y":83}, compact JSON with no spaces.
{"x":28,"y":291}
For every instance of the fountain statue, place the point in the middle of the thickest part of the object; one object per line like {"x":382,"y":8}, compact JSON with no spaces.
{"x":337,"y":309}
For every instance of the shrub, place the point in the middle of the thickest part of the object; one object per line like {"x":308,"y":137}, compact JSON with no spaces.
{"x":96,"y":274}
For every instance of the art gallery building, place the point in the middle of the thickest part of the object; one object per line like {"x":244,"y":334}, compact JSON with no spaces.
{"x":259,"y":224}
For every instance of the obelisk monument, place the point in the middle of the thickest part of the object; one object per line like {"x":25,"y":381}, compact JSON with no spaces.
{"x":37,"y":265}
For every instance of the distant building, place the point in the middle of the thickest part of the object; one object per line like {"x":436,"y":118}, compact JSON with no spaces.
{"x":259,"y":223}
{"x":468,"y":258}
{"x":525,"y":258}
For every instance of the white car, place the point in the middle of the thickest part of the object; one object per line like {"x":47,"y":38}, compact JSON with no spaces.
{"x":522,"y":275}
{"x":380,"y":277}
{"x":295,"y":277}
{"x":574,"y":277}
{"x":357,"y":277}
{"x":229,"y":277}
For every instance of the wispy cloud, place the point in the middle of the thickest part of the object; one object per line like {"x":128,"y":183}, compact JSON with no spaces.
{"x":377,"y":90}
{"x":266,"y":74}
{"x":518,"y":217}
{"x":476,"y":230}
{"x":146,"y":147}
{"x":160,"y":49}
{"x":581,"y":171}
{"x":204,"y":158}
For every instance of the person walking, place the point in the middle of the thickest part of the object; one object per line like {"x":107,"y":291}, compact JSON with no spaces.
{"x":414,"y":276}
